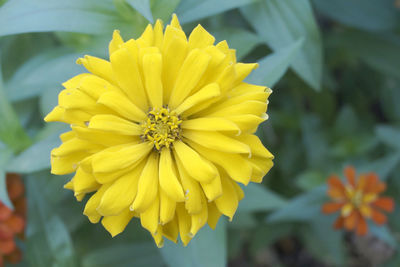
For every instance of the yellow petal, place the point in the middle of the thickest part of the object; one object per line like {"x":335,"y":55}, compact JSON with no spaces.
{"x":216,"y":141}
{"x":91,"y":206}
{"x":192,"y":189}
{"x":347,"y":209}
{"x":247,"y":123}
{"x":117,"y":224}
{"x":171,"y":230}
{"x":167,"y":208}
{"x":243,"y":70}
{"x":61,"y":165}
{"x":199,"y":168}
{"x":158,"y":34}
{"x":211,"y":124}
{"x":75,"y":81}
{"x":168,"y":180}
{"x":121,"y":193}
{"x":84,"y":182}
{"x":148,"y":185}
{"x":103,"y":138}
{"x":247,"y":88}
{"x":95,"y":86}
{"x":73,"y":98}
{"x":206,"y":93}
{"x":75,"y":145}
{"x":260,"y":167}
{"x":147,"y":37}
{"x":235,"y":165}
{"x":150,"y":217}
{"x":108,"y":177}
{"x":152,"y":69}
{"x":199,"y":219}
{"x":184,"y":223}
{"x":64,"y":137}
{"x":213,"y":215}
{"x":189,"y":75}
{"x":212,"y":190}
{"x":228,"y":202}
{"x":200,"y":38}
{"x":175,"y":22}
{"x":98,"y":66}
{"x":115,"y":124}
{"x":120,"y":157}
{"x":115,"y":43}
{"x":174,"y":52}
{"x":158,"y":237}
{"x":249,"y":107}
{"x":127,"y":73}
{"x":257,"y":148}
{"x":121,"y":104}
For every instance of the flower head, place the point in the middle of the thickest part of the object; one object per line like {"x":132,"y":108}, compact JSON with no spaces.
{"x":357,"y":200}
{"x":163,"y":132}
{"x":12,"y":222}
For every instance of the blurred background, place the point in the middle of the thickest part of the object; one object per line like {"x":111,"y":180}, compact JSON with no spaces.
{"x":334,"y":67}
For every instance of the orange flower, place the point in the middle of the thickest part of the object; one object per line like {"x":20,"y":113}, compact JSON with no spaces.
{"x":357,"y":200}
{"x":12,"y":222}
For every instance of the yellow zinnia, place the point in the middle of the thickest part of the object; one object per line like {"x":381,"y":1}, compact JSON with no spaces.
{"x":163,"y":132}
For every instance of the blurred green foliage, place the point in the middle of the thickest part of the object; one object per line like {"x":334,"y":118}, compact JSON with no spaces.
{"x":334,"y":67}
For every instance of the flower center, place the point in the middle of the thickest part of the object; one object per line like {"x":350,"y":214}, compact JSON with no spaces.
{"x":357,"y":199}
{"x":161,"y":128}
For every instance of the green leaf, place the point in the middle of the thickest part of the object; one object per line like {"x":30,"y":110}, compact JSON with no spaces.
{"x":163,"y":9}
{"x":208,"y":248}
{"x":323,"y":242}
{"x":44,"y":71}
{"x":11,"y":131}
{"x":124,"y":255}
{"x":143,"y":7}
{"x":46,"y":225}
{"x":310,"y":179}
{"x":203,"y":9}
{"x":36,"y":157}
{"x":281,"y":23}
{"x":89,"y":16}
{"x":383,"y":166}
{"x":241,"y":40}
{"x":304,"y":207}
{"x":389,"y":135}
{"x":259,"y":198}
{"x":275,"y":65}
{"x":372,"y":15}
{"x":379,"y":51}
{"x":5,"y":155}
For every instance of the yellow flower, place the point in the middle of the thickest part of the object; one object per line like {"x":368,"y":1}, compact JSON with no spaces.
{"x":163,"y":132}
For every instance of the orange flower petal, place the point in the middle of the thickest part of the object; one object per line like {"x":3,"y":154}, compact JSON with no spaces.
{"x":373,"y":185}
{"x":15,"y":256}
{"x":361,"y":183}
{"x":331,"y":207}
{"x":7,"y":246}
{"x":5,"y":232}
{"x":362,"y":227}
{"x":350,"y":174}
{"x":15,"y":186}
{"x":384,"y":203}
{"x":378,"y":217}
{"x":350,"y":221}
{"x":5,"y":212}
{"x":339,"y":223}
{"x":16,"y":224}
{"x":334,"y":181}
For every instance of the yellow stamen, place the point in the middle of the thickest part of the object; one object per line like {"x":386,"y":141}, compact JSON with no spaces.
{"x":162,"y":128}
